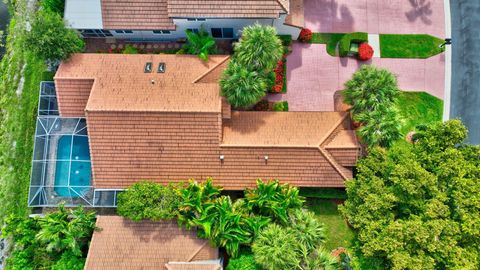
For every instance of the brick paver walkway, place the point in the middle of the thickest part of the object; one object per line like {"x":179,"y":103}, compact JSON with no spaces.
{"x":376,"y":16}
{"x":313,"y":76}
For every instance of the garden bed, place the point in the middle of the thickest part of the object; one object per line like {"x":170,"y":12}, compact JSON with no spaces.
{"x":409,"y":46}
{"x":265,"y":105}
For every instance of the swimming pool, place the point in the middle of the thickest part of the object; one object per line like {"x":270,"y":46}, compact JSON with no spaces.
{"x":73,"y":168}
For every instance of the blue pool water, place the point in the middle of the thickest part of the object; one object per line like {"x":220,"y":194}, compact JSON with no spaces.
{"x":73,"y":161}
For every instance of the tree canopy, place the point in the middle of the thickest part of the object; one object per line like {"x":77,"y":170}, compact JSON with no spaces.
{"x":418,"y":206}
{"x":50,"y":39}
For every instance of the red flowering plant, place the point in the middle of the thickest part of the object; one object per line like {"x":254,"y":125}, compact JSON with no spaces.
{"x":305,"y":35}
{"x":279,"y":76}
{"x":365,"y":52}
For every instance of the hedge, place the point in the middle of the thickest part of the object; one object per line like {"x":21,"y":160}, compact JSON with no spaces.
{"x":347,"y":39}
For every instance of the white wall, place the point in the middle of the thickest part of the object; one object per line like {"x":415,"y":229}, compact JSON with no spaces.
{"x":237,"y":24}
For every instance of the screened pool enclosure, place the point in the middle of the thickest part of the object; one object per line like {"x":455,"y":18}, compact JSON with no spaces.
{"x":61,"y":166}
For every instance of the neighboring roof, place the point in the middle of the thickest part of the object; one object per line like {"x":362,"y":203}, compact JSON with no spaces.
{"x":120,"y":83}
{"x":125,"y":244}
{"x":136,"y":15}
{"x":302,"y":129}
{"x":84,"y":14}
{"x":227,"y":8}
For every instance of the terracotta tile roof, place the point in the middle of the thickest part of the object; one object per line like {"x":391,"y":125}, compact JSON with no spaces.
{"x":227,"y":8}
{"x":124,"y":244}
{"x":343,"y":139}
{"x":302,"y":129}
{"x":192,"y":266}
{"x":136,"y":15}
{"x":120,"y":83}
{"x":73,"y":96}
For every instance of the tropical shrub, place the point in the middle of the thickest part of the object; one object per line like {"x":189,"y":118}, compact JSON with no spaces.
{"x":279,"y":71}
{"x":281,"y":106}
{"x":57,"y":6}
{"x":200,"y":44}
{"x":148,"y":200}
{"x":365,"y":52}
{"x":373,"y":93}
{"x":241,"y":86}
{"x":57,"y":241}
{"x":305,"y":35}
{"x":417,"y":206}
{"x":286,"y":40}
{"x":259,"y":48}
{"x":348,"y":39}
{"x":272,"y":199}
{"x":50,"y":39}
{"x":245,"y":261}
{"x":129,"y":49}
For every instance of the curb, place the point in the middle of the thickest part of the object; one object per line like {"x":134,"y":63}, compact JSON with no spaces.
{"x":448,"y":62}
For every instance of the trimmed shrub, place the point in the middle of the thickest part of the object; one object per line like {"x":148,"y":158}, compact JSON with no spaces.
{"x":148,"y":200}
{"x":243,"y":262}
{"x":305,"y":35}
{"x":347,"y":39}
{"x":129,"y":49}
{"x":281,"y":106}
{"x":286,"y":39}
{"x":365,"y":52}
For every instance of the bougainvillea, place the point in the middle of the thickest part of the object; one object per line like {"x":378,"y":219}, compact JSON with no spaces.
{"x":365,"y":52}
{"x":305,"y":35}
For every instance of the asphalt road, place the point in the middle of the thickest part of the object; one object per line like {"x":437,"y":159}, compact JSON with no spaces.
{"x":465,"y":94}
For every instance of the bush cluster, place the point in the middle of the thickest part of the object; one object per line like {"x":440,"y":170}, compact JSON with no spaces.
{"x":249,"y":74}
{"x":57,"y":241}
{"x":279,"y":71}
{"x":373,"y":94}
{"x":347,"y":39}
{"x":305,"y":35}
{"x":281,"y":106}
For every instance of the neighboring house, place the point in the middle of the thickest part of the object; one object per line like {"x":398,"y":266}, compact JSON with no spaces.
{"x":169,"y":19}
{"x":134,"y":122}
{"x":124,"y":244}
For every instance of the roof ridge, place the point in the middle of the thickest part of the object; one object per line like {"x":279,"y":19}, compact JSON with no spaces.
{"x":211,"y":69}
{"x":197,"y":251}
{"x":329,"y":133}
{"x":339,"y":168}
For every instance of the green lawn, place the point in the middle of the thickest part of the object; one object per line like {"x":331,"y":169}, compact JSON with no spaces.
{"x":331,"y":39}
{"x":409,"y":46}
{"x":17,"y":123}
{"x":338,"y":233}
{"x":418,"y":108}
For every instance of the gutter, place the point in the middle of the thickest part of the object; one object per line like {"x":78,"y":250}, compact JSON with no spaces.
{"x":448,"y":62}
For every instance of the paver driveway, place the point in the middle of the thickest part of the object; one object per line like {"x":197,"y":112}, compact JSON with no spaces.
{"x":376,"y":16}
{"x":313,"y":76}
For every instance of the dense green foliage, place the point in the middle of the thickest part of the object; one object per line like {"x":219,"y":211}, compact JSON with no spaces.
{"x":418,"y":206}
{"x":409,"y":46}
{"x":373,"y":94}
{"x":18,"y":101}
{"x":148,"y":200}
{"x":249,"y":74}
{"x":57,"y":6}
{"x":281,"y":106}
{"x":245,"y":261}
{"x":242,"y":86}
{"x":272,"y":199}
{"x":347,"y":39}
{"x":50,"y":39}
{"x":57,"y":241}
{"x":259,"y":48}
{"x":296,"y":246}
{"x":200,"y":44}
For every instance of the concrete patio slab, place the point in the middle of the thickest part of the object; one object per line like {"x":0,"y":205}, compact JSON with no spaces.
{"x":313,"y":76}
{"x":376,"y":16}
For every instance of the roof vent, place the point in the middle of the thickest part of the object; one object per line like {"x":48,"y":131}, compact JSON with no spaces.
{"x":161,"y":67}
{"x":148,"y":67}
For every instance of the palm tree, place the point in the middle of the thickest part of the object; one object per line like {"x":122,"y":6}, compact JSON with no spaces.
{"x":381,"y":127}
{"x":242,"y":86}
{"x":259,"y":48}
{"x":320,"y":259}
{"x":201,"y":44}
{"x":369,"y":89}
{"x":310,"y":231}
